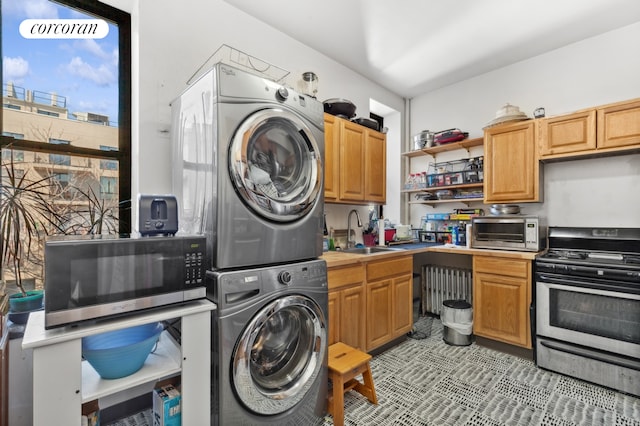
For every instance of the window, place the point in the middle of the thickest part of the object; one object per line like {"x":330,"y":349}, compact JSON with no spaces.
{"x":15,"y":155}
{"x":13,"y":135}
{"x":57,"y":159}
{"x":67,"y":113}
{"x":61,"y":179}
{"x":108,"y":186}
{"x":108,"y":164}
{"x":45,"y":112}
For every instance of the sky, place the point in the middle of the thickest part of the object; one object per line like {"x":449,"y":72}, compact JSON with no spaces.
{"x":85,"y":71}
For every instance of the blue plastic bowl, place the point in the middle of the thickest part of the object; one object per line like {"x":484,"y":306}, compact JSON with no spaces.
{"x":119,"y":353}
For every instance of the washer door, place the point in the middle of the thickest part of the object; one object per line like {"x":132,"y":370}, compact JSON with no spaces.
{"x":275,"y":165}
{"x":279,"y":355}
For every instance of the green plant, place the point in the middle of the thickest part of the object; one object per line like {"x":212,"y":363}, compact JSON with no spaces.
{"x":26,"y":216}
{"x":92,"y":215}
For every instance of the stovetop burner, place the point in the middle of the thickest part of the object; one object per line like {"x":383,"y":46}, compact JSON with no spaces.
{"x":593,"y":252}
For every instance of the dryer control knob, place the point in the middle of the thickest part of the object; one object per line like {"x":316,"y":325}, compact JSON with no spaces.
{"x":282,"y":94}
{"x":284,"y":277}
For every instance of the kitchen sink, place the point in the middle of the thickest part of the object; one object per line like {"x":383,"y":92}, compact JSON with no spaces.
{"x":369,"y":250}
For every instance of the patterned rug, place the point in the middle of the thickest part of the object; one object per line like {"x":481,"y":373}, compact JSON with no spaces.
{"x":424,"y":381}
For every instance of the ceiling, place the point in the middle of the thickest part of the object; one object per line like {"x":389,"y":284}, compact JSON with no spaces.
{"x":414,"y":46}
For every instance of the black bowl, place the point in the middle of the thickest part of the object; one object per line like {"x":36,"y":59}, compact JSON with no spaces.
{"x":367,"y":122}
{"x":341,"y":107}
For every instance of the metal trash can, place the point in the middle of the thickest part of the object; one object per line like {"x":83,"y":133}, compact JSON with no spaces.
{"x":457,"y":319}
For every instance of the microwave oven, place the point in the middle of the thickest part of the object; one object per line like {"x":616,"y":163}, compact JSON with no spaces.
{"x":508,"y":232}
{"x":88,"y":278}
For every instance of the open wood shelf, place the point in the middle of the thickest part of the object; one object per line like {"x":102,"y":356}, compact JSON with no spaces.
{"x":438,"y":188}
{"x":463,"y":144}
{"x":465,"y":201}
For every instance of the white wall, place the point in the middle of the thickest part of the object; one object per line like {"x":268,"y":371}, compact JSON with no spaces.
{"x":600,"y":70}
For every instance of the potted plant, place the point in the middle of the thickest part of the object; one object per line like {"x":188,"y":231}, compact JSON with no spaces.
{"x":26,"y":217}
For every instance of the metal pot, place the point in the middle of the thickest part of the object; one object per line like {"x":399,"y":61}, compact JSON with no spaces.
{"x":340,"y":107}
{"x":502,"y":209}
{"x":424,"y":139}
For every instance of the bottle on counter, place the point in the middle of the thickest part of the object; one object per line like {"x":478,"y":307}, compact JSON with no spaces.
{"x":332,"y":244}
{"x":381,"y":231}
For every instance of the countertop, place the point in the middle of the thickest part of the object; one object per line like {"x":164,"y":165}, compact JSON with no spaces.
{"x":338,"y":258}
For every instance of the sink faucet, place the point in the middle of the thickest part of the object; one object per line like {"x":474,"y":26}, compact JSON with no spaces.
{"x":349,"y":242}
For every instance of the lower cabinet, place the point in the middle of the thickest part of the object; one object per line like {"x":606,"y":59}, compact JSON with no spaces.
{"x":347,"y":306}
{"x":389,"y":300}
{"x":370,"y":304}
{"x":501,"y":299}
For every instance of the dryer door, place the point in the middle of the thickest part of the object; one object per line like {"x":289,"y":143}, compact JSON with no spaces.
{"x":275,"y":165}
{"x":279,"y":355}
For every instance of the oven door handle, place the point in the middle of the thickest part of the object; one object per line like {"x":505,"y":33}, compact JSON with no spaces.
{"x":591,"y":286}
{"x":620,"y":362}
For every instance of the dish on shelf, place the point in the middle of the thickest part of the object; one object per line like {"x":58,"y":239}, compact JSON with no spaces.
{"x":507,"y":114}
{"x":444,"y":194}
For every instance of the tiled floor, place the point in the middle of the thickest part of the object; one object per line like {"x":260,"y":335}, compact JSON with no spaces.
{"x":427,"y":382}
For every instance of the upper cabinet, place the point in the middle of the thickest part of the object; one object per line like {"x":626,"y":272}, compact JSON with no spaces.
{"x":375,"y":167}
{"x":511,"y":167}
{"x":619,"y":125}
{"x":331,"y":157}
{"x":568,"y":133}
{"x":355,"y":163}
{"x":609,"y":129}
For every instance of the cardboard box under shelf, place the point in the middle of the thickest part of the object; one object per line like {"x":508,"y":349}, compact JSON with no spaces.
{"x":167,"y":405}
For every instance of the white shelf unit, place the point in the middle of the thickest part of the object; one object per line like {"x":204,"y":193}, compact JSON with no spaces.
{"x":62,"y":381}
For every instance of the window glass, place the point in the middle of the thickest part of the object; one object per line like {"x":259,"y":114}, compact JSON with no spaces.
{"x":63,"y":101}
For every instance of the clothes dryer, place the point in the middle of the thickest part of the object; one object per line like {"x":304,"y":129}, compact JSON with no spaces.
{"x":269,"y":345}
{"x":248,"y":168}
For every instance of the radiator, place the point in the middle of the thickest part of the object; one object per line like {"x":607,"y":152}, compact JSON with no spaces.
{"x":440,"y":283}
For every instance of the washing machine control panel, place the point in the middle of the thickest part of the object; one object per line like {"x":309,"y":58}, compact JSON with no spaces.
{"x":284,"y":277}
{"x":282,"y":94}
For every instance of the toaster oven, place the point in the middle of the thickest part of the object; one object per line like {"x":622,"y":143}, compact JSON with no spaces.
{"x":508,"y":232}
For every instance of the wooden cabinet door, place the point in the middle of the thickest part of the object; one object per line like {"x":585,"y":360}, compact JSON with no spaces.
{"x":352,"y":316}
{"x":375,"y":167}
{"x":347,"y":307}
{"x":568,"y":133}
{"x":352,"y":148}
{"x":619,"y":125}
{"x":333,"y":320}
{"x":379,"y":313}
{"x":331,"y":157}
{"x":512,"y":172}
{"x":402,"y":305}
{"x":501,"y":299}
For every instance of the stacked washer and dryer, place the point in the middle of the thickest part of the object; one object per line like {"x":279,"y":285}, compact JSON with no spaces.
{"x":248,"y":171}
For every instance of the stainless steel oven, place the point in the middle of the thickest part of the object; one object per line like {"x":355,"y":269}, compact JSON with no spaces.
{"x":588,"y":306}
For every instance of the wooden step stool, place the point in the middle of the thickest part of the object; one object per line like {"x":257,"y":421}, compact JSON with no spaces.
{"x":345,"y":364}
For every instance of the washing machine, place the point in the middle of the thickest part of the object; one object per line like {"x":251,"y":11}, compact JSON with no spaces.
{"x":269,"y":345}
{"x":248,"y":168}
